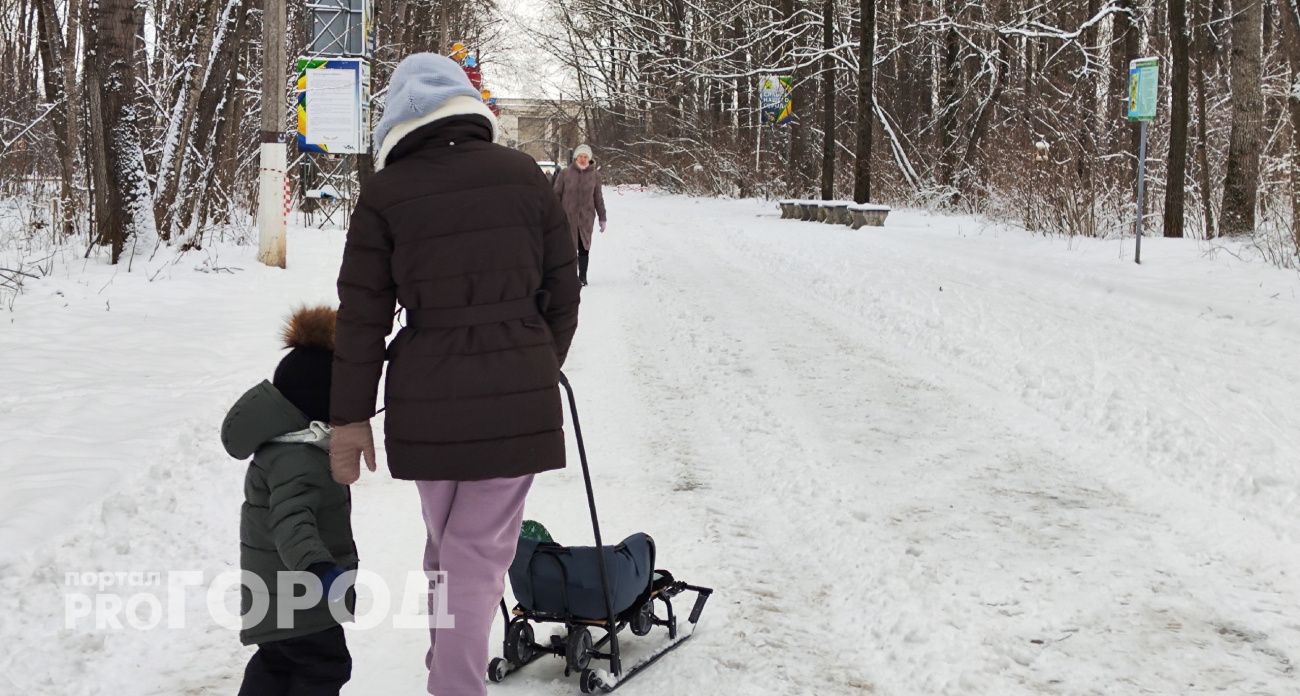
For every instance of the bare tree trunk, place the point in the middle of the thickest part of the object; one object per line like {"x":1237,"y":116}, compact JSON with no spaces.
{"x":866,"y":89}
{"x":1175,"y":183}
{"x":397,"y":18}
{"x":51,"y":49}
{"x":744,"y":111}
{"x":73,"y":133}
{"x":803,"y":108}
{"x":1291,"y":37}
{"x":828,"y":101}
{"x":122,"y":189}
{"x":215,"y":91}
{"x":172,"y":169}
{"x":1204,"y":54}
{"x":981,"y":127}
{"x":228,"y":130}
{"x":1241,"y":181}
{"x":1124,"y":50}
{"x":949,"y":100}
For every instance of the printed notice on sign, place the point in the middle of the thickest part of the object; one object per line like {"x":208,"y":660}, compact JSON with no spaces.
{"x":1143,"y":88}
{"x":332,"y":109}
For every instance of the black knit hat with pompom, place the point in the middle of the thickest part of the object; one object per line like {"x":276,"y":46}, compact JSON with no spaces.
{"x":303,"y":376}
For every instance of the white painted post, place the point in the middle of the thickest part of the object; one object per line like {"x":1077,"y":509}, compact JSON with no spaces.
{"x":270,"y":205}
{"x":274,"y":158}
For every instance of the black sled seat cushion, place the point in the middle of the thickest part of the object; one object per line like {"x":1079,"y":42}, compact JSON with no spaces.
{"x":565,"y":580}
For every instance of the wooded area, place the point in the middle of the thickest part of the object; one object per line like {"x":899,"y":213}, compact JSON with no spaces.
{"x":1010,"y":107}
{"x":138,"y":122}
{"x":127,"y":122}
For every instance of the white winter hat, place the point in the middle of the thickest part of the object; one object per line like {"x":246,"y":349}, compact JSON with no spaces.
{"x":583,"y":150}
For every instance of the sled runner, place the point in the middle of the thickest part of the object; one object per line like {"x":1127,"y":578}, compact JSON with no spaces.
{"x":608,"y":588}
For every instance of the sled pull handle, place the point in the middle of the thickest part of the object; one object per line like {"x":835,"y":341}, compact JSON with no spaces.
{"x":612,"y":628}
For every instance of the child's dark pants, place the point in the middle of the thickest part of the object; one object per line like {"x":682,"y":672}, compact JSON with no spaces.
{"x":314,"y":665}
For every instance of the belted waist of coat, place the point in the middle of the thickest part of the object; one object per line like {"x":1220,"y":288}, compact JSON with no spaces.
{"x":477,"y":315}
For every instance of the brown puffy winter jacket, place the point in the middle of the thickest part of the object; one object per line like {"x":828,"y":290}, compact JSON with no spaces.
{"x":470,"y":239}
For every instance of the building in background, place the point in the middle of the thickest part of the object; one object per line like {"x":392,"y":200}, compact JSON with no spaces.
{"x":545,"y":129}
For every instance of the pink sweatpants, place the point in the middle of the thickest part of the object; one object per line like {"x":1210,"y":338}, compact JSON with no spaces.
{"x":473,"y":530}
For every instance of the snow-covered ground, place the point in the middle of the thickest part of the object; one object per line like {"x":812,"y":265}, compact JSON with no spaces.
{"x":940,"y":457}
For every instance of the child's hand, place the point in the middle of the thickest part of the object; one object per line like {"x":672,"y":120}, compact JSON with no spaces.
{"x":329,"y":574}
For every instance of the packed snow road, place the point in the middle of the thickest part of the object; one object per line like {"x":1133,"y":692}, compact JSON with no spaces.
{"x":934,"y":458}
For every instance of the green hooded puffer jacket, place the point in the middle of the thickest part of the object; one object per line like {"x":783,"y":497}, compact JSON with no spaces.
{"x":294,"y":513}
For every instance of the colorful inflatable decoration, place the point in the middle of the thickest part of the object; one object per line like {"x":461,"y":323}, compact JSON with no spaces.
{"x":469,"y":63}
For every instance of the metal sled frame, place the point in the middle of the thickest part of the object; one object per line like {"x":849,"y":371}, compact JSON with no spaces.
{"x":577,"y":648}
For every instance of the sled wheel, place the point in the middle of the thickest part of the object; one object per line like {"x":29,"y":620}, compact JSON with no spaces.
{"x":643,"y":621}
{"x":497,"y":670}
{"x":589,"y":682}
{"x":578,"y":649}
{"x":519,"y":642}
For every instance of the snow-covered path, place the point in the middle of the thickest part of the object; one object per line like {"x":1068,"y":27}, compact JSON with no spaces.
{"x":871,"y":490}
{"x":934,"y":458}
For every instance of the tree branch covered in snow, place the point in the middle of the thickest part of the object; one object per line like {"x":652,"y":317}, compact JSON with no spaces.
{"x":965,"y":93}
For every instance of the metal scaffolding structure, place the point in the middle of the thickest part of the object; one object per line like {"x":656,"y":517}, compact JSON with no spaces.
{"x":333,"y":109}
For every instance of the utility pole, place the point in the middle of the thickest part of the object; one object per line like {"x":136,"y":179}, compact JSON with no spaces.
{"x":273,"y":156}
{"x":444,"y":30}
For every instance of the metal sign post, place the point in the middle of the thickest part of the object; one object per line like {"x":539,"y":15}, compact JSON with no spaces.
{"x":1141,"y":193}
{"x":1143,"y":82}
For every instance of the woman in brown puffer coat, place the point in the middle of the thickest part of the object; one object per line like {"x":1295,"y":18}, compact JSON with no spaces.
{"x":579,"y":190}
{"x":470,"y":239}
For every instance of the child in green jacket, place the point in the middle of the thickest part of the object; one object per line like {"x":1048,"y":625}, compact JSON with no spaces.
{"x":295,"y":524}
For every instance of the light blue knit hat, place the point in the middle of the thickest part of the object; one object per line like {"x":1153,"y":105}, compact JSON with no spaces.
{"x":425,"y":87}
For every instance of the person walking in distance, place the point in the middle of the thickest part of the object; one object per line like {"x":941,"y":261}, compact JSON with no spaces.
{"x":580,"y":194}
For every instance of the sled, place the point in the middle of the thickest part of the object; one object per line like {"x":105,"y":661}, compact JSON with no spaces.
{"x":581,"y":653}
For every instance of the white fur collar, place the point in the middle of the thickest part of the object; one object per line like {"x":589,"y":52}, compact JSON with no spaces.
{"x":458,"y":105}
